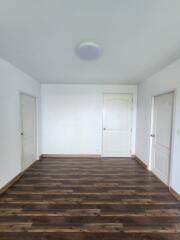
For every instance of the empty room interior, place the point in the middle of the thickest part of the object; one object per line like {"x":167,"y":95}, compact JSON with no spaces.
{"x":89,"y":120}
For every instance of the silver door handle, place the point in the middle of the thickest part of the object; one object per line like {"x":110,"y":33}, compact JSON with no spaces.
{"x":152,"y":135}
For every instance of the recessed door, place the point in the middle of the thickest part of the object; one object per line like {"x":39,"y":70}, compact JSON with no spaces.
{"x":117,"y":125}
{"x":161,"y":135}
{"x":28,"y":130}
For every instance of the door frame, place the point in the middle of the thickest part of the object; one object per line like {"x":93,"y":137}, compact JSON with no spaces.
{"x":174,"y":91}
{"x":132,"y":117}
{"x":21,"y":124}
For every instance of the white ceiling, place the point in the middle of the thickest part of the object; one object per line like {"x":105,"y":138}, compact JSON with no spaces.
{"x":138,"y":37}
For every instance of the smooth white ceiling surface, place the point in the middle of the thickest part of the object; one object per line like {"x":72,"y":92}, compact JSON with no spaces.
{"x":138,"y":38}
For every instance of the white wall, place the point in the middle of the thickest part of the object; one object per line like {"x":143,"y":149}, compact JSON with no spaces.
{"x":166,"y":80}
{"x":12,"y":82}
{"x":72,"y":117}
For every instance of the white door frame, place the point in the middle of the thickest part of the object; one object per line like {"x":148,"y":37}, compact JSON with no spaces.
{"x":132,"y":116}
{"x":37,"y":125}
{"x":174,"y":91}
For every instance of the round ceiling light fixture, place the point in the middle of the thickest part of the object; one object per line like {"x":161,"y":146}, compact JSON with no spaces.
{"x":89,"y":51}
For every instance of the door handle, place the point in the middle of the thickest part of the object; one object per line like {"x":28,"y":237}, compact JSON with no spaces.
{"x":22,"y":133}
{"x":152,"y":135}
{"x":104,"y":129}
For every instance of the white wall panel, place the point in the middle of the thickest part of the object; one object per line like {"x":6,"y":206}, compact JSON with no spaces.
{"x":12,"y":82}
{"x":72,"y":117}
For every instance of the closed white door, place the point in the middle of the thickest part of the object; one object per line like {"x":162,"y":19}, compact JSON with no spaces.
{"x":161,"y":135}
{"x":28,"y":130}
{"x":117,"y":125}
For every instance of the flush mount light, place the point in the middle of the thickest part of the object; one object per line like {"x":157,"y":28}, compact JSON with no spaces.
{"x":89,"y":51}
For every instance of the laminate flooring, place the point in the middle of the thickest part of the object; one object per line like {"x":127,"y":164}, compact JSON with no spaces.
{"x":88,"y":199}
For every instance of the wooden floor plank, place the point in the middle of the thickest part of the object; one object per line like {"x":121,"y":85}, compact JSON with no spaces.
{"x":89,"y":199}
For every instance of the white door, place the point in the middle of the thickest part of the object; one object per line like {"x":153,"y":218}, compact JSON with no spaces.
{"x":161,"y":135}
{"x":117,"y":125}
{"x":28,"y":130}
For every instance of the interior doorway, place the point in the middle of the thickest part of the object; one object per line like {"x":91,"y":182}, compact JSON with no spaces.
{"x":28,"y":129}
{"x":117,"y":125}
{"x":161,"y":135}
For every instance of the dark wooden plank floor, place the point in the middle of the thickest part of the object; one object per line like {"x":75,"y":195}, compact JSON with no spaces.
{"x":86,"y":199}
